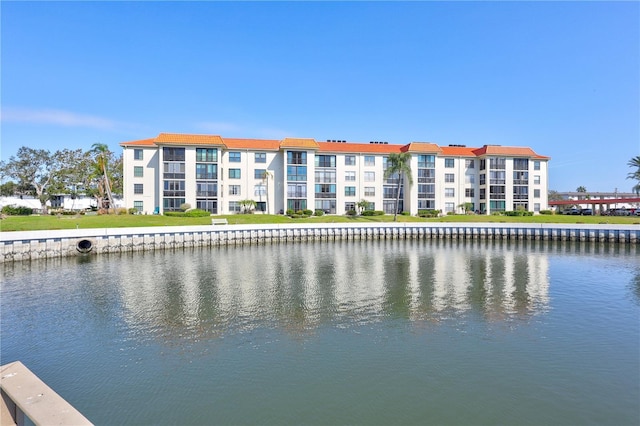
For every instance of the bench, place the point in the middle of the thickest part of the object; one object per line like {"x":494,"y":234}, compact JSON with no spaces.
{"x":219,"y":222}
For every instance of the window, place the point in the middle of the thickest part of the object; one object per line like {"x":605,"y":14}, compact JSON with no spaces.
{"x":449,"y":192}
{"x":536,"y":165}
{"x":297,"y":190}
{"x":209,"y":155}
{"x":173,"y":154}
{"x":325,"y":176}
{"x":536,"y":207}
{"x":350,"y":176}
{"x":206,"y":171}
{"x":349,"y":160}
{"x":296,"y":205}
{"x":469,"y":192}
{"x":449,"y":207}
{"x":470,"y":178}
{"x":350,"y":191}
{"x":369,"y":160}
{"x":350,"y":206}
{"x":138,"y":171}
{"x":520,"y":164}
{"x":325,"y":190}
{"x":426,"y":175}
{"x":520,"y":177}
{"x":234,"y":173}
{"x":138,"y":205}
{"x":325,"y":160}
{"x":234,"y":206}
{"x":497,"y":205}
{"x":260,"y":157}
{"x":426,"y":161}
{"x":497,"y":192}
{"x":536,"y":179}
{"x":536,"y":193}
{"x":206,"y":189}
{"x":449,"y":163}
{"x":483,"y":179}
{"x":210,"y":206}
{"x":234,"y":189}
{"x":449,"y":177}
{"x":483,"y":194}
{"x":260,"y":190}
{"x":137,"y":154}
{"x":470,"y":164}
{"x":234,"y":157}
{"x":296,"y":173}
{"x":426,"y":191}
{"x":172,"y":204}
{"x":258,"y":173}
{"x":327,"y":206}
{"x":173,"y":170}
{"x":497,"y":177}
{"x":483,"y":164}
{"x":174,"y":188}
{"x":369,"y":191}
{"x":497,"y":163}
{"x":138,"y":188}
{"x":296,"y":157}
{"x":369,"y":176}
{"x":520,"y":192}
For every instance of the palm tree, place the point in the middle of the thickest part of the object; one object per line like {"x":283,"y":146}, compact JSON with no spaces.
{"x":398,"y":164}
{"x":635,"y":175}
{"x":265,"y":178}
{"x":101,"y":152}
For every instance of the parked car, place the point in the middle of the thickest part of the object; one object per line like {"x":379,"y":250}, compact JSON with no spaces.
{"x":586,"y":212}
{"x":572,"y":210}
{"x":618,"y":212}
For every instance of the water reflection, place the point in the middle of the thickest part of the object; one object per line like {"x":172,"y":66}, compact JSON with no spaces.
{"x":207,"y":292}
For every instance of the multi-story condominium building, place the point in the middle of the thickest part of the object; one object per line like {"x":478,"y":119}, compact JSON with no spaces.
{"x":215,"y":174}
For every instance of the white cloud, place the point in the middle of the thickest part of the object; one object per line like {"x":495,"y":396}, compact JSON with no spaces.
{"x":57,"y":118}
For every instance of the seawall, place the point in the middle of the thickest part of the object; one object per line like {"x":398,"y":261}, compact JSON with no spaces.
{"x":28,"y":245}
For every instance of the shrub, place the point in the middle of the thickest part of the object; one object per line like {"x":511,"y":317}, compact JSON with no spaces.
{"x":185,"y":206}
{"x":368,"y":213}
{"x":307,"y":212}
{"x":378,"y":213}
{"x":496,"y":213}
{"x":319,"y":212}
{"x":121,"y":210}
{"x":197,"y":213}
{"x":428,"y":213}
{"x":133,"y":210}
{"x":290,"y":212}
{"x":406,"y":213}
{"x":450,"y":213}
{"x":351,"y":213}
{"x":546,"y":211}
{"x":174,"y":214}
{"x":17,"y":210}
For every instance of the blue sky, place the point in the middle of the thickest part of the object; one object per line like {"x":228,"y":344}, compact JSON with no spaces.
{"x":560,"y":77}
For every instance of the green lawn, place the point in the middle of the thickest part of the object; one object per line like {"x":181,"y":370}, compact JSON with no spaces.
{"x":33,"y":223}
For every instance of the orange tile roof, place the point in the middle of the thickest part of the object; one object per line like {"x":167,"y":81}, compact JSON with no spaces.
{"x":142,"y":142}
{"x":458,"y":151}
{"x":372,"y":148}
{"x":299,"y":143}
{"x":187,"y":139}
{"x":511,"y":151}
{"x":422,"y":147}
{"x":266,"y":144}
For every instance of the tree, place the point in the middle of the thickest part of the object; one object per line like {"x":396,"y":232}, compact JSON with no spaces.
{"x":35,"y":169}
{"x":398,"y":167}
{"x":553,"y":195}
{"x":581,"y":189}
{"x":102,"y":175}
{"x":362,"y":205}
{"x":247,"y":205}
{"x":635,"y":175}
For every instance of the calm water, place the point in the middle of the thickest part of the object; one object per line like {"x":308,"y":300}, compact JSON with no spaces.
{"x":375,"y":332}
